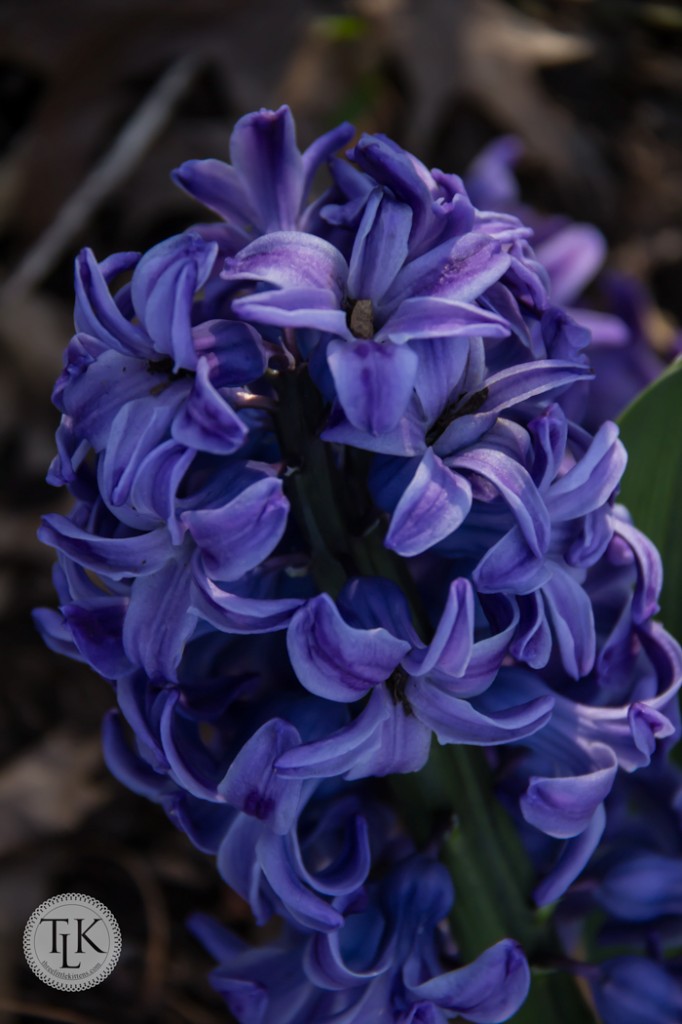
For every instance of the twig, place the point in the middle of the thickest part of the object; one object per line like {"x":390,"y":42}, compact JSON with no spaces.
{"x":158,"y":927}
{"x":136,"y":136}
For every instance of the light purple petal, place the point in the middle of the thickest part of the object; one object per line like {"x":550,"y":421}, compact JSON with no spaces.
{"x":430,"y":317}
{"x":570,"y":610}
{"x":206,"y":421}
{"x":291,"y":259}
{"x":382,"y":740}
{"x":316,"y":308}
{"x":457,"y":721}
{"x":461,"y":270}
{"x":336,"y":661}
{"x":434,"y":504}
{"x":572,"y":256}
{"x":406,"y":439}
{"x":519,"y":383}
{"x":572,"y":860}
{"x":510,"y":567}
{"x":593,"y":479}
{"x":114,"y":557}
{"x":442,"y":366}
{"x":157,"y":624}
{"x":563,"y":807}
{"x":155,"y":486}
{"x":336,"y":754}
{"x":218,"y":186}
{"x":533,"y":641}
{"x":136,"y":430}
{"x":380,"y":247}
{"x":235,"y":538}
{"x":231,"y":613}
{"x":516,"y":487}
{"x":96,"y":312}
{"x":92,"y":399}
{"x":265,"y":155}
{"x":452,"y":645}
{"x":374,"y":382}
{"x":489,"y":990}
{"x":163,"y":288}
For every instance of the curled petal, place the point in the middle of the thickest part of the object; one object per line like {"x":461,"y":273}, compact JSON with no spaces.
{"x":564,"y":807}
{"x":457,"y":721}
{"x":649,"y":569}
{"x":572,"y":257}
{"x":127,"y":766}
{"x":163,"y":288}
{"x":232,"y":613}
{"x":592,"y":481}
{"x":115,"y":557}
{"x":252,"y":784}
{"x":97,"y":633}
{"x":235,"y":538}
{"x":460,"y":270}
{"x":336,"y":661}
{"x":489,"y":990}
{"x":206,"y":421}
{"x":218,"y":186}
{"x":570,"y":610}
{"x":572,"y":860}
{"x":301,"y":902}
{"x":433,"y":505}
{"x":519,"y":383}
{"x":516,"y":487}
{"x":510,"y":567}
{"x":450,"y":650}
{"x":384,"y":739}
{"x":96,"y":312}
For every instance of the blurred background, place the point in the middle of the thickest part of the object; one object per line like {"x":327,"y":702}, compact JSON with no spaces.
{"x":99,"y":100}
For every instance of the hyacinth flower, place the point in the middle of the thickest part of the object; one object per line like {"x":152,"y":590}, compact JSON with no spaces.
{"x":332,"y":517}
{"x":622,"y":352}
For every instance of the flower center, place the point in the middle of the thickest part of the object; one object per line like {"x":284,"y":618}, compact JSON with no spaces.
{"x":360,"y":317}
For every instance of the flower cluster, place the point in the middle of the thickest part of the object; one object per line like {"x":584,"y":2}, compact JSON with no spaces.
{"x":329,"y":506}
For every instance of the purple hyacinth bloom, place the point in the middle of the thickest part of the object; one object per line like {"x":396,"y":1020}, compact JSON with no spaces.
{"x":331,"y":502}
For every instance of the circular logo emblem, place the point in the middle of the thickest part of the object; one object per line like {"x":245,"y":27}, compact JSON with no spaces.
{"x":72,"y":942}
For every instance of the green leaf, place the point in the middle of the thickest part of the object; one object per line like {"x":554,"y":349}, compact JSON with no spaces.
{"x":651,"y":429}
